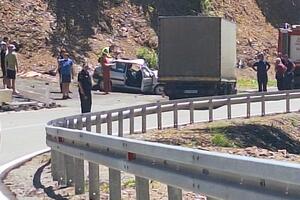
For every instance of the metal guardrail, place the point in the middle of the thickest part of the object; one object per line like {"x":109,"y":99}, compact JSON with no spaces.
{"x":219,"y":176}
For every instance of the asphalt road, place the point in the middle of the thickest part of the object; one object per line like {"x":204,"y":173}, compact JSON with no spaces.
{"x":23,"y":132}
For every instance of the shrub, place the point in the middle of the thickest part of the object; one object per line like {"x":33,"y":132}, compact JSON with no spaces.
{"x":149,"y":55}
{"x":221,"y":140}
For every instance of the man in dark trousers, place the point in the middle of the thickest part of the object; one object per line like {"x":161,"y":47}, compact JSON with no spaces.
{"x":262,"y":67}
{"x":85,"y":89}
{"x":289,"y":73}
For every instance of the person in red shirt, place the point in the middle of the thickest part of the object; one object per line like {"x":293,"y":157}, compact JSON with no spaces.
{"x":280,"y":70}
{"x":106,"y":63}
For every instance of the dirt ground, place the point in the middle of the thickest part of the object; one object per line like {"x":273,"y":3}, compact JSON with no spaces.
{"x":273,"y":137}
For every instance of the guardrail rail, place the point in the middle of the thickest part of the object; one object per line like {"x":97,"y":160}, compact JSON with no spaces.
{"x":98,"y":139}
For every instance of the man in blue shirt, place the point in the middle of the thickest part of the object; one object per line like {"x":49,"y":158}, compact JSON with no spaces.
{"x":261,"y":67}
{"x":66,"y":73}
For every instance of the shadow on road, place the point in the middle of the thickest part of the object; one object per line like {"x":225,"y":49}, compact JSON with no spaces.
{"x":38,"y":184}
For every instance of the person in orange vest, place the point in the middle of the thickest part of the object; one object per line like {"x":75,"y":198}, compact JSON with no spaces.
{"x":106,"y":63}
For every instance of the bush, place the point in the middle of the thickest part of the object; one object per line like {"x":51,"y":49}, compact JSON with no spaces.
{"x":149,"y":55}
{"x":220,"y":140}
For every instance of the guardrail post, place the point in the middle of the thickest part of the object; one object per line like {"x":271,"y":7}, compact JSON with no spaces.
{"x":131,"y":121}
{"x":248,"y":107}
{"x":54,"y":165}
{"x":62,"y":181}
{"x":109,"y":123}
{"x":114,"y":184}
{"x":88,"y":122}
{"x":69,"y":161}
{"x":114,"y":175}
{"x":98,"y":123}
{"x":94,"y":193}
{"x":79,"y":178}
{"x":263,"y":105}
{"x":175,"y":115}
{"x":211,"y":112}
{"x":174,"y":193}
{"x":159,"y":118}
{"x":142,"y":188}
{"x":288,"y":107}
{"x":229,"y":108}
{"x":94,"y":184}
{"x":120,"y":124}
{"x":144,"y":120}
{"x":192,"y":112}
{"x":79,"y":167}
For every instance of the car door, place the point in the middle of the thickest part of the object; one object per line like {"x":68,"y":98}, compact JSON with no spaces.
{"x":147,"y":82}
{"x":117,"y":73}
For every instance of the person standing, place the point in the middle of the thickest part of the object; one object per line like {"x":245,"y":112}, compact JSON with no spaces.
{"x":106,"y":64}
{"x":66,"y":70}
{"x":11,"y":66}
{"x":2,"y":57}
{"x":261,"y":67}
{"x":60,"y":57}
{"x":280,"y":70}
{"x":85,"y":89}
{"x":289,"y":73}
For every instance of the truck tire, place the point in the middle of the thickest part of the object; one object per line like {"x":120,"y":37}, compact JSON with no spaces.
{"x":159,"y":90}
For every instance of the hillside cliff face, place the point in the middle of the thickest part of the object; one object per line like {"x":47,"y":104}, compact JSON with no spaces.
{"x":84,"y":27}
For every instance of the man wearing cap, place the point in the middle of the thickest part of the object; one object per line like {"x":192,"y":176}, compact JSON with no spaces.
{"x":85,"y":89}
{"x":11,"y":66}
{"x":2,"y":57}
{"x":261,"y":67}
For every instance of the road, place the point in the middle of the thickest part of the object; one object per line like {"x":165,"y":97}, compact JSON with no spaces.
{"x":23,"y":132}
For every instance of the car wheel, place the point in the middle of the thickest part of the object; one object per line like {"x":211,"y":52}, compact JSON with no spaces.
{"x":159,"y":90}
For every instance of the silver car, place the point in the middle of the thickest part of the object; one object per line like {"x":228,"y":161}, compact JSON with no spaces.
{"x":132,"y":75}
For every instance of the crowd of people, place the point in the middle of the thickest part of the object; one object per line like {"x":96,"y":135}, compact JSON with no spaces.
{"x":284,"y":69}
{"x":9,"y":64}
{"x":66,"y":74}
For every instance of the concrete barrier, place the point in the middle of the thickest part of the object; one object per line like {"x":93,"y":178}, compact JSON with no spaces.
{"x":5,"y":95}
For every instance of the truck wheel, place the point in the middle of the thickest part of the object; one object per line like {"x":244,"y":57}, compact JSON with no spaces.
{"x":159,"y":90}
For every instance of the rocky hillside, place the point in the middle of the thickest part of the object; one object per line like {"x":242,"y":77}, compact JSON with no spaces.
{"x":84,"y":27}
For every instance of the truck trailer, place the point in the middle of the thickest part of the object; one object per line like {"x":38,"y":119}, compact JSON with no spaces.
{"x":197,"y":56}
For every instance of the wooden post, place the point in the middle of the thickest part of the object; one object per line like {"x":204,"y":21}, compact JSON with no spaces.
{"x":263,"y":105}
{"x":229,"y":108}
{"x":288,"y":106}
{"x":248,"y":106}
{"x":192,"y":112}
{"x":175,"y":115}
{"x":159,"y":117}
{"x":210,"y":106}
{"x":144,"y":120}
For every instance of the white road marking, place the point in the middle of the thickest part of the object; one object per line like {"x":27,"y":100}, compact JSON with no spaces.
{"x":21,"y":127}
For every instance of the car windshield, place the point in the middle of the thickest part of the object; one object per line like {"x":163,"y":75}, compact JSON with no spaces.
{"x":119,"y":67}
